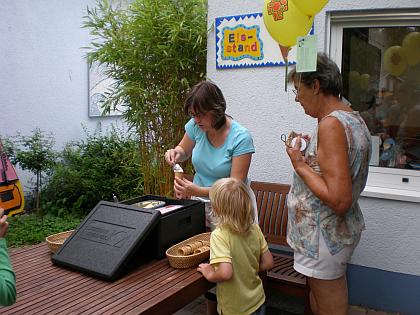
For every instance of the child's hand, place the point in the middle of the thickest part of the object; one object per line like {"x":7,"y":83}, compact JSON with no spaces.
{"x":223,"y":273}
{"x":206,"y":270}
{"x":4,"y":225}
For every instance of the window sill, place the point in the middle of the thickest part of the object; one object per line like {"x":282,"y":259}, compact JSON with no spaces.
{"x":391,"y":193}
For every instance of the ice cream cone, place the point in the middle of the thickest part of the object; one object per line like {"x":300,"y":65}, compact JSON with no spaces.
{"x":178,"y":171}
{"x":201,"y":249}
{"x":179,"y":175}
{"x":185,"y":250}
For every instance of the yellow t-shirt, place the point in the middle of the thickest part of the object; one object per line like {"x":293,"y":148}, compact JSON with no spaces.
{"x":243,"y":293}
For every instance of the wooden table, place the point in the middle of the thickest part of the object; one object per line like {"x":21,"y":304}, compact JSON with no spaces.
{"x":152,"y":288}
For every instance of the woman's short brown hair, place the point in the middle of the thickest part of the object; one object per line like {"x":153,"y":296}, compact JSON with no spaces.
{"x":206,"y":97}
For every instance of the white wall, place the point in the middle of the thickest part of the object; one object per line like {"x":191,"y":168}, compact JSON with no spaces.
{"x":391,"y":239}
{"x":256,"y":98}
{"x":43,"y":73}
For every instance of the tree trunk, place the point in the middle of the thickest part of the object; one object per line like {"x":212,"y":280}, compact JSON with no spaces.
{"x":37,"y":193}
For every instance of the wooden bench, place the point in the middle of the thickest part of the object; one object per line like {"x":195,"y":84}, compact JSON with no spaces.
{"x":272,"y":215}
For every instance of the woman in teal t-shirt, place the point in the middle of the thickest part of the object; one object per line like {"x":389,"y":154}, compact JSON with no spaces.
{"x":220,"y":147}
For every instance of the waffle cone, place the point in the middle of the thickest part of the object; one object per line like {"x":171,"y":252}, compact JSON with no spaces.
{"x":185,"y":250}
{"x":201,"y":249}
{"x":179,"y":175}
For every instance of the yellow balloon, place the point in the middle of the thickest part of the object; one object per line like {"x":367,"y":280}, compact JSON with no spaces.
{"x":285,"y":22}
{"x":411,"y":48}
{"x":364,"y":81}
{"x":354,"y":77}
{"x":310,"y":7}
{"x":394,"y":62}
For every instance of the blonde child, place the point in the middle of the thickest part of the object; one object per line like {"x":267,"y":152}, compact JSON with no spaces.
{"x":238,"y":251}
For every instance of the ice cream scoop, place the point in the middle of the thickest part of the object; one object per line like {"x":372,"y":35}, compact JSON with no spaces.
{"x":178,"y":171}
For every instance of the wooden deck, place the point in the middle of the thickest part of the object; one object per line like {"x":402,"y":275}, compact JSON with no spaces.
{"x":152,"y":288}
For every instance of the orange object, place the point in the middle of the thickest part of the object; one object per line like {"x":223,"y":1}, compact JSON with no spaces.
{"x":11,"y":198}
{"x":11,"y":194}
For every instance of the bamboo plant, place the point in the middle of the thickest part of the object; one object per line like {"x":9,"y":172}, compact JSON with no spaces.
{"x":155,"y":50}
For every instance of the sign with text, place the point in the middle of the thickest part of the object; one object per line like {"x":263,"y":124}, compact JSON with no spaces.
{"x":243,"y":41}
{"x":306,"y":53}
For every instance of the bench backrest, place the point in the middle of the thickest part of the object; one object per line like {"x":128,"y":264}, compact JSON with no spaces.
{"x":272,"y":210}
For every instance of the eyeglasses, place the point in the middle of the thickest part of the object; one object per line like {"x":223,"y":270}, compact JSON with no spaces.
{"x":296,"y":91}
{"x":198,"y":115}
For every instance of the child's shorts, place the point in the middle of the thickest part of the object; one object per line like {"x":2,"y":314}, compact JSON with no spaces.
{"x":327,"y":266}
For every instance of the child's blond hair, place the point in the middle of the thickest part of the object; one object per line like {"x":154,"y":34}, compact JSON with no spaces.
{"x":232,"y":204}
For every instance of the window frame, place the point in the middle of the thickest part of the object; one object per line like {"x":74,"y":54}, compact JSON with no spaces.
{"x":386,"y":183}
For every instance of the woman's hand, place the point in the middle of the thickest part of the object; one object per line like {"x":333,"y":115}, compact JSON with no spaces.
{"x":184,"y":188}
{"x":172,"y":156}
{"x":306,"y":137}
{"x":181,"y":152}
{"x":295,"y":155}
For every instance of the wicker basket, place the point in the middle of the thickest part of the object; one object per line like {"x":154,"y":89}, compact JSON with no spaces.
{"x":56,"y":240}
{"x":179,"y":261}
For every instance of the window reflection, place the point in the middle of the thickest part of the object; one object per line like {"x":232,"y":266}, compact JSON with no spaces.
{"x":381,"y":79}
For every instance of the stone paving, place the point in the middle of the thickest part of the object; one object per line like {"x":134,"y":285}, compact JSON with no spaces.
{"x":276,"y":305}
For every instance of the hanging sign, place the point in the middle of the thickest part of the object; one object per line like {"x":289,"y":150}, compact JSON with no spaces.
{"x":306,"y":53}
{"x":243,"y":41}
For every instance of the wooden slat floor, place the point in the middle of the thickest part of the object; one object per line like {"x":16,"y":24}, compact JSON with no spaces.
{"x":153,"y":288}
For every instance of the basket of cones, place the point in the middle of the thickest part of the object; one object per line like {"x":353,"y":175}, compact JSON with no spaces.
{"x":56,"y":240}
{"x":190,"y":252}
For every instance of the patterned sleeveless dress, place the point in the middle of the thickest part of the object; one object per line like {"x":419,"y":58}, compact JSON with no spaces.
{"x":309,"y":216}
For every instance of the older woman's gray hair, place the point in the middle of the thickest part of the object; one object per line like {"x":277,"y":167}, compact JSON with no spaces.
{"x":327,"y":73}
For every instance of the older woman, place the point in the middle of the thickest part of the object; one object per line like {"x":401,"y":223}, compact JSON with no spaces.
{"x":325,"y":220}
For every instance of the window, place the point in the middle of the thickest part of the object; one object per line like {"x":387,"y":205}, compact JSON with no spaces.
{"x":379,"y":55}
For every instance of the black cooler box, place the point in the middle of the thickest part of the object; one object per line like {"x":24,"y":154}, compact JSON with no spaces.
{"x":175,"y":225}
{"x":116,"y":235}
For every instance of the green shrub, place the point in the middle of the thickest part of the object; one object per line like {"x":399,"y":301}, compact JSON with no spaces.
{"x":31,"y":229}
{"x":34,"y":153}
{"x":92,"y":170}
